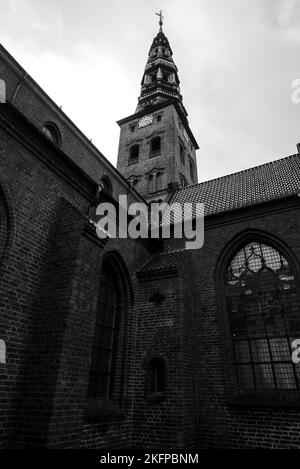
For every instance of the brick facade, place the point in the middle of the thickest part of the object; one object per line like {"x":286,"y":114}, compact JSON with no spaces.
{"x":173,"y":306}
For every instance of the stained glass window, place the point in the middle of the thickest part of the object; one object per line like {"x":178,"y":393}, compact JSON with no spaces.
{"x":264,"y":316}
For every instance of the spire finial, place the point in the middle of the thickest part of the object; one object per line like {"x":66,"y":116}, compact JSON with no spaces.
{"x":161,"y":18}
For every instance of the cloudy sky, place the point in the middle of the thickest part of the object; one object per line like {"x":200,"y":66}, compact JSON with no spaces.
{"x":237,"y":60}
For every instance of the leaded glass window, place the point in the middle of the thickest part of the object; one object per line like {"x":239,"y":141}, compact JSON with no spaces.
{"x":264,"y":316}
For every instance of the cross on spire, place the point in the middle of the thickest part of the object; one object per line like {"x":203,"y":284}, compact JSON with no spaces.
{"x":161,"y":18}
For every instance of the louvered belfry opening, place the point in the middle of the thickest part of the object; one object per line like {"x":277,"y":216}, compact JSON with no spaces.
{"x":264,"y":316}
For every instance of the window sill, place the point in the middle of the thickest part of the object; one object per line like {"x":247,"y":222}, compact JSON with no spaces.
{"x":272,"y":398}
{"x":103,"y":410}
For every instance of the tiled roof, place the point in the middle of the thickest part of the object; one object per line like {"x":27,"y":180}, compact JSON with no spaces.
{"x":269,"y":181}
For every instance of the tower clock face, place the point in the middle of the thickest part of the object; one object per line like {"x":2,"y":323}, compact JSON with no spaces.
{"x":145,"y":120}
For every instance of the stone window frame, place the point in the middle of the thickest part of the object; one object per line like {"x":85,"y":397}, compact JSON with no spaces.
{"x":234,"y":396}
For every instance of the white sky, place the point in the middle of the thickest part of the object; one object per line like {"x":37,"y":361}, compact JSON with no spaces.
{"x":236,"y":60}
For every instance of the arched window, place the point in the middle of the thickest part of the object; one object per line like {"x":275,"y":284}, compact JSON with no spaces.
{"x":106,"y":370}
{"x":158,"y":181}
{"x":134,"y":154}
{"x":151,"y":183}
{"x":106,"y":185}
{"x":51,"y":131}
{"x":155,"y":147}
{"x":264,"y":316}
{"x":183,"y":182}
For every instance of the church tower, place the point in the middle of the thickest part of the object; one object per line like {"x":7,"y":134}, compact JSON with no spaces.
{"x":157,"y":150}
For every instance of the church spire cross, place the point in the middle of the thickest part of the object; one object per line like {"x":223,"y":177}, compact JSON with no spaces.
{"x":161,"y":19}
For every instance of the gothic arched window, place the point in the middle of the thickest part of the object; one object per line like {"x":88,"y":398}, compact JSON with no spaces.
{"x":51,"y":131}
{"x":264,"y":316}
{"x":155,"y":147}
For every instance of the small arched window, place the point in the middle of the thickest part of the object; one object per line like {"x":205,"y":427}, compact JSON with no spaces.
{"x":134,"y":154}
{"x":2,"y":91}
{"x":51,"y":131}
{"x":156,"y":376}
{"x":4,"y":224}
{"x":264,"y":316}
{"x":151,"y":183}
{"x":106,"y":185}
{"x":158,"y":181}
{"x":155,"y":147}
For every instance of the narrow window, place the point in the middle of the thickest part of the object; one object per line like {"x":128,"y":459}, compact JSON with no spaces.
{"x":102,"y":369}
{"x":156,"y":376}
{"x":263,"y":306}
{"x":155,"y":147}
{"x":151,"y":183}
{"x":191,"y":170}
{"x":183,"y":181}
{"x":181,"y":150}
{"x":134,"y":154}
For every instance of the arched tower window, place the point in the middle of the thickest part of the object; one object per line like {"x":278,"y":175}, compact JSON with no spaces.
{"x":134,"y":154}
{"x":264,"y":316}
{"x":108,"y":352}
{"x":51,"y":131}
{"x":155,"y":147}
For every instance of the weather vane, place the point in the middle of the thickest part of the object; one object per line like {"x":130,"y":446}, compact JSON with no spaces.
{"x":161,"y":18}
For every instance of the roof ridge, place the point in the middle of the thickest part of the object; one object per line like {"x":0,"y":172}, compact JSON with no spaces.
{"x":237,"y":172}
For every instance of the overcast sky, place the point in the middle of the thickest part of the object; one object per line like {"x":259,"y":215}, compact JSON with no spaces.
{"x":237,"y":60}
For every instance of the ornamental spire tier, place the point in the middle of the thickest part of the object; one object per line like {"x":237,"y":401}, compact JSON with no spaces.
{"x":160,"y":79}
{"x":157,"y":149}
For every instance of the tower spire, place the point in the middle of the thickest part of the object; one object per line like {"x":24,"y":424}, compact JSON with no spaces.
{"x":160,"y":80}
{"x":161,"y":19}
